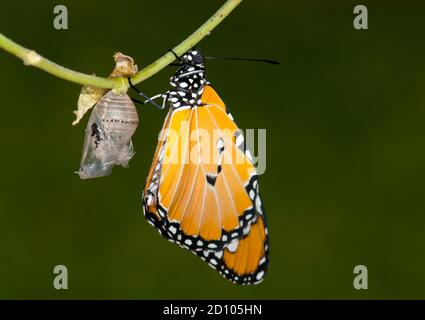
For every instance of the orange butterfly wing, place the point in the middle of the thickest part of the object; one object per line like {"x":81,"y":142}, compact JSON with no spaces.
{"x":202,"y":191}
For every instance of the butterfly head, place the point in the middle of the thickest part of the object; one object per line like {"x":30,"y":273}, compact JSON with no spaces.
{"x":193,"y":57}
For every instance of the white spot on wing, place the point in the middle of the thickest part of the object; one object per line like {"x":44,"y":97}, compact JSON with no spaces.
{"x":252,"y":194}
{"x":258,"y":205}
{"x":259,"y":275}
{"x":219,"y":254}
{"x":233,"y":246}
{"x":172,"y":229}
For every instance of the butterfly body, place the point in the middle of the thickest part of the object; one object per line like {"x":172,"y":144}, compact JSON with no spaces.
{"x":188,"y":82}
{"x":202,"y":191}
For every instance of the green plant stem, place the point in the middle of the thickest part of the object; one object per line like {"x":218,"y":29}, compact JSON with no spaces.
{"x":187,"y":44}
{"x":31,"y":58}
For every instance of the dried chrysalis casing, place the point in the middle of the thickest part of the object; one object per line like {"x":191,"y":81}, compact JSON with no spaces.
{"x":124,"y":66}
{"x":88,"y":97}
{"x":112,"y":123}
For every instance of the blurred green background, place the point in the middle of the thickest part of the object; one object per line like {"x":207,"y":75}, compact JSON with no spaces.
{"x":345,"y":174}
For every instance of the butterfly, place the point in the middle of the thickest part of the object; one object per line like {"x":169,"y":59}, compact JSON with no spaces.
{"x":202,"y":190}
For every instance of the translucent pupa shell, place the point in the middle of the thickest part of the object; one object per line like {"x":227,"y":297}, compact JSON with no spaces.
{"x":107,"y":143}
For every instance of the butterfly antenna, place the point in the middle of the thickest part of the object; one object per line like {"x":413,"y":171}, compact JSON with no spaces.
{"x":245,"y":59}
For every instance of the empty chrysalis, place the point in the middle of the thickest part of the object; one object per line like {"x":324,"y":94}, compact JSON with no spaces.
{"x":111,"y":125}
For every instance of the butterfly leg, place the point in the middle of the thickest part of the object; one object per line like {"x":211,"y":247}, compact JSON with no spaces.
{"x":164,"y":96}
{"x":175,"y":54}
{"x":137,"y":101}
{"x":143,"y":95}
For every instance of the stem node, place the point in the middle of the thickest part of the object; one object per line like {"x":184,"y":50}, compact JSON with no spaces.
{"x":31,"y":58}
